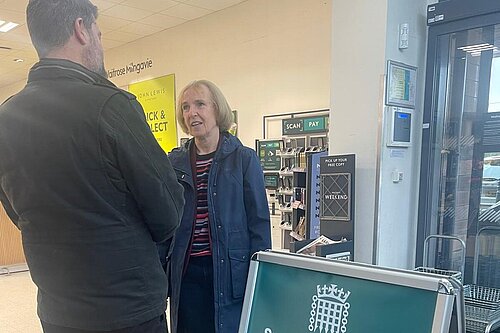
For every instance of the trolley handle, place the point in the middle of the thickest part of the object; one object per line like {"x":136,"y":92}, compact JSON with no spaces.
{"x":476,"y":249}
{"x":454,"y":238}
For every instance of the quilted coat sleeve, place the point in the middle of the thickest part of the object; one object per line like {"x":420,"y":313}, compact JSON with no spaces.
{"x":147,"y":172}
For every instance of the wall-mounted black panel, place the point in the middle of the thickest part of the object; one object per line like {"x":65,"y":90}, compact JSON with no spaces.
{"x":447,"y":11}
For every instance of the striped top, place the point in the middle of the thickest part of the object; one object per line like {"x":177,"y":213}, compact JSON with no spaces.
{"x":201,"y":245}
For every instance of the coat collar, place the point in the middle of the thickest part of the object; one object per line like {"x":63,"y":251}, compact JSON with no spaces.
{"x":229,"y":144}
{"x":179,"y":157}
{"x":50,"y":68}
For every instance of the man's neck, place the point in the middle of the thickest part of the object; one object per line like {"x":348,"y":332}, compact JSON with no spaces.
{"x":66,"y":52}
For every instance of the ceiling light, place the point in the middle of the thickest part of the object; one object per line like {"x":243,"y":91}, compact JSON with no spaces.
{"x":474,"y":47}
{"x":1,"y":22}
{"x":18,"y":60}
{"x":8,"y":26}
{"x":475,"y":50}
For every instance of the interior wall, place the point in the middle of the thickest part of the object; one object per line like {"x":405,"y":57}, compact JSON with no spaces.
{"x":7,"y":91}
{"x":11,"y":250}
{"x":358,"y":64}
{"x":398,"y":202}
{"x":365,"y":36}
{"x":268,"y":57}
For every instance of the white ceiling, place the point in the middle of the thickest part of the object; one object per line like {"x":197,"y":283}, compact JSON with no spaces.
{"x":120,"y":21}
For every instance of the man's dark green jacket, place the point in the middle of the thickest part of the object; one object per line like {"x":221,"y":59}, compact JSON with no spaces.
{"x":85,"y":181}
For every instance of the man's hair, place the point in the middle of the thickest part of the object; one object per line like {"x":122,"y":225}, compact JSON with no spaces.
{"x":223,"y":113}
{"x":51,"y":22}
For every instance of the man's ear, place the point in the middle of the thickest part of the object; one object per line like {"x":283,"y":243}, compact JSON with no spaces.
{"x":81,"y":32}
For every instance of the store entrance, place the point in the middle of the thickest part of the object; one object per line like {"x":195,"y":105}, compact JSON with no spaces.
{"x":460,"y":170}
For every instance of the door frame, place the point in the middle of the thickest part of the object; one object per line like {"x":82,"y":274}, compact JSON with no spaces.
{"x":430,"y":115}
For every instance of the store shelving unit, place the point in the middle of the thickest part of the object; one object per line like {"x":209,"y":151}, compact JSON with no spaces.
{"x":291,"y":194}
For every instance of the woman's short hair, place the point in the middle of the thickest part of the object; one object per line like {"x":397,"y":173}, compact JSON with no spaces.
{"x":223,"y":113}
{"x":51,"y":22}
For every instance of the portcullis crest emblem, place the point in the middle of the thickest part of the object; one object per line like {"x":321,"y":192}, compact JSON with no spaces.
{"x":329,"y":310}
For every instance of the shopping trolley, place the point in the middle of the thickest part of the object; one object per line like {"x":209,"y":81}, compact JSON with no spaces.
{"x":482,"y":309}
{"x":482,"y":304}
{"x":455,"y":277}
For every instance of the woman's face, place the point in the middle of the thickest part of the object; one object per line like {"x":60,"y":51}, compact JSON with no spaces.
{"x":198,"y":112}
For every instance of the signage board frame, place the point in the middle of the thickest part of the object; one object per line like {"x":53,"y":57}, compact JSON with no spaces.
{"x":401,"y":85}
{"x":437,"y":289}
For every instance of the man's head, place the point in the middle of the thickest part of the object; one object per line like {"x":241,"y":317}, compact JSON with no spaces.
{"x":66,"y":29}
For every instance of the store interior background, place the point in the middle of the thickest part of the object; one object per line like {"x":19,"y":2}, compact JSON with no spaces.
{"x":283,"y":56}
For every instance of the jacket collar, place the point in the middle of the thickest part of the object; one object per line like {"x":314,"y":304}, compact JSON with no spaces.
{"x":229,"y":144}
{"x":180,"y":156}
{"x":50,"y":68}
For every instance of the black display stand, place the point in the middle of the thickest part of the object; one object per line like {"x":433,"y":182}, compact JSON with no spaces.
{"x":337,"y":201}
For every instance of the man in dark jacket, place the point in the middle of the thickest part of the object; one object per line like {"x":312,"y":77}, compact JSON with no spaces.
{"x":84,"y":180}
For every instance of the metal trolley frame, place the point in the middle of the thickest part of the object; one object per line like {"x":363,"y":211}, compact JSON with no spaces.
{"x":455,"y":277}
{"x":482,"y":304}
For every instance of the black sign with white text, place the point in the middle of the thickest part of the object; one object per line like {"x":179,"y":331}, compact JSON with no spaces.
{"x":337,"y":196}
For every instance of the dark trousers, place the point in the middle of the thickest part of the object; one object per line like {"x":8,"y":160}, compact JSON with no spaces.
{"x":196,"y":304}
{"x":156,"y":325}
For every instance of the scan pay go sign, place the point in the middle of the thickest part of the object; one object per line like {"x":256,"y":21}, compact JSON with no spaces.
{"x":307,"y":125}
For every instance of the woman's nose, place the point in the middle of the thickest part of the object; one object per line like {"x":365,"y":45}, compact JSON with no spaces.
{"x":193,"y":112}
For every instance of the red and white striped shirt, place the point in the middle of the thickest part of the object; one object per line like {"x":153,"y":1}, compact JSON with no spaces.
{"x":201,"y":245}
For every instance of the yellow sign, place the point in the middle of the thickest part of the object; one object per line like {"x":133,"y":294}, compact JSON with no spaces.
{"x":157,"y":97}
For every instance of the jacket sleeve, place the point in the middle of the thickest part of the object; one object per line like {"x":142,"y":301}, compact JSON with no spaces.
{"x":144,"y":166}
{"x":256,"y":206}
{"x":8,"y":208}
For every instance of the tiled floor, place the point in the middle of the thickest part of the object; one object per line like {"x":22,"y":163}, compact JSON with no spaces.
{"x":18,"y":304}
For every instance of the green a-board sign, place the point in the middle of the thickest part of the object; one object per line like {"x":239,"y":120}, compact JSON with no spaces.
{"x":287,"y":298}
